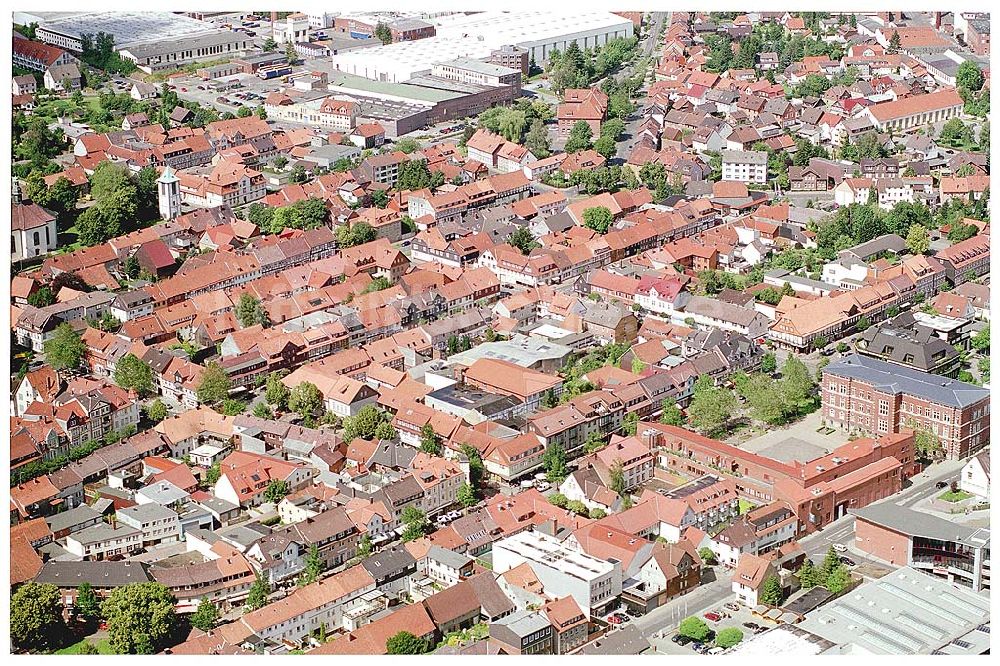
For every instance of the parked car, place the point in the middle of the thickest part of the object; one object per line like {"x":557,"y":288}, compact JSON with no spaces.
{"x":752,"y":626}
{"x":624,"y":618}
{"x":941,"y":484}
{"x":700,"y":648}
{"x":614,"y":619}
{"x":714,"y":617}
{"x":840,"y":548}
{"x":681,"y":640}
{"x":716,"y":650}
{"x":732,"y":606}
{"x":848,"y":561}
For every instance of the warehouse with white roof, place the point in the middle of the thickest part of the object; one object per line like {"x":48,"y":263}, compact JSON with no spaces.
{"x":476,"y":36}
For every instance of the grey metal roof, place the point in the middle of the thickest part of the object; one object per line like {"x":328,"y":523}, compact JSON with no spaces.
{"x":147,"y":512}
{"x":98,"y":574}
{"x":893,"y":378}
{"x":81,"y":514}
{"x":906,"y":612}
{"x":448,"y":557}
{"x":917,"y":523}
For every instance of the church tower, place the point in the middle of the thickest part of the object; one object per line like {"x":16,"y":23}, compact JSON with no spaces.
{"x":168,"y":189}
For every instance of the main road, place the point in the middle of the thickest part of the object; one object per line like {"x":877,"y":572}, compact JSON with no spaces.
{"x":656,"y":23}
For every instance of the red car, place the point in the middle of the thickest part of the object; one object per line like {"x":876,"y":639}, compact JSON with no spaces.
{"x":714,"y":617}
{"x":614,"y":619}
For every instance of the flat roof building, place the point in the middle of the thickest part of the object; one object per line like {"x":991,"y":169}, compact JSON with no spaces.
{"x":905,"y":613}
{"x":594,"y":583}
{"x":902,"y":536}
{"x":477,"y":36}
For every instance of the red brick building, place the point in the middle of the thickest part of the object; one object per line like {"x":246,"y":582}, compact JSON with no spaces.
{"x":904,"y":537}
{"x":587,"y":104}
{"x":819,"y":490}
{"x":863,"y":394}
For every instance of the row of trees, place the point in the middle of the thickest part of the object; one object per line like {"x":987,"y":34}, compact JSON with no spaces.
{"x":578,"y":68}
{"x":310,"y":213}
{"x":140,"y":617}
{"x":770,"y":401}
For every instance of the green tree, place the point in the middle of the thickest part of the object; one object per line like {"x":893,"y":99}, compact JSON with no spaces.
{"x":523,"y":240}
{"x":249,"y":311}
{"x":694,"y":627}
{"x":257,"y":596}
{"x":87,"y":605}
{"x":206,"y":616}
{"x":711,"y":406}
{"x":894,"y":42}
{"x":290,"y":55}
{"x":383,"y":33}
{"x":140,"y":618}
{"x":276,"y":392}
{"x":554,"y":460}
{"x":36,"y":620}
{"x":365,"y":546}
{"x":415,"y":523}
{"x":917,"y":240}
{"x":830,"y":563}
{"x":926,"y":444}
{"x":405,"y":643}
{"x":466,"y":495}
{"x":212,"y":474}
{"x":537,"y":139}
{"x":364,"y":423}
{"x":577,"y":507}
{"x":41,"y":297}
{"x":270,"y":45}
{"x":214,"y":385}
{"x":771,"y":592}
{"x":65,"y":349}
{"x":981,"y":340}
{"x":598,"y":218}
{"x":707,"y":556}
{"x":605,"y":146}
{"x":616,"y":478}
{"x":579,"y":137}
{"x":768,"y":364}
{"x":262,"y":410}
{"x":385,"y":431}
{"x":429,"y":442}
{"x":838,"y":581}
{"x":314,"y":566}
{"x":276,"y":490}
{"x":305,"y":400}
{"x":808,"y":575}
{"x":630,"y":423}
{"x":969,"y":76}
{"x":133,"y":374}
{"x":156,"y":411}
{"x":559,"y":500}
{"x":728,"y":637}
{"x":671,"y":413}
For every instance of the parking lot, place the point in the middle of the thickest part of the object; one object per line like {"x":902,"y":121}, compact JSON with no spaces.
{"x":730,"y":614}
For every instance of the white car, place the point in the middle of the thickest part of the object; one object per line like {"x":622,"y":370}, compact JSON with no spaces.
{"x":840,"y":548}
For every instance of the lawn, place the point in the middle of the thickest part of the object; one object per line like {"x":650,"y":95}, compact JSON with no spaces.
{"x":957,"y":496}
{"x":745,"y":506}
{"x":103,"y":647}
